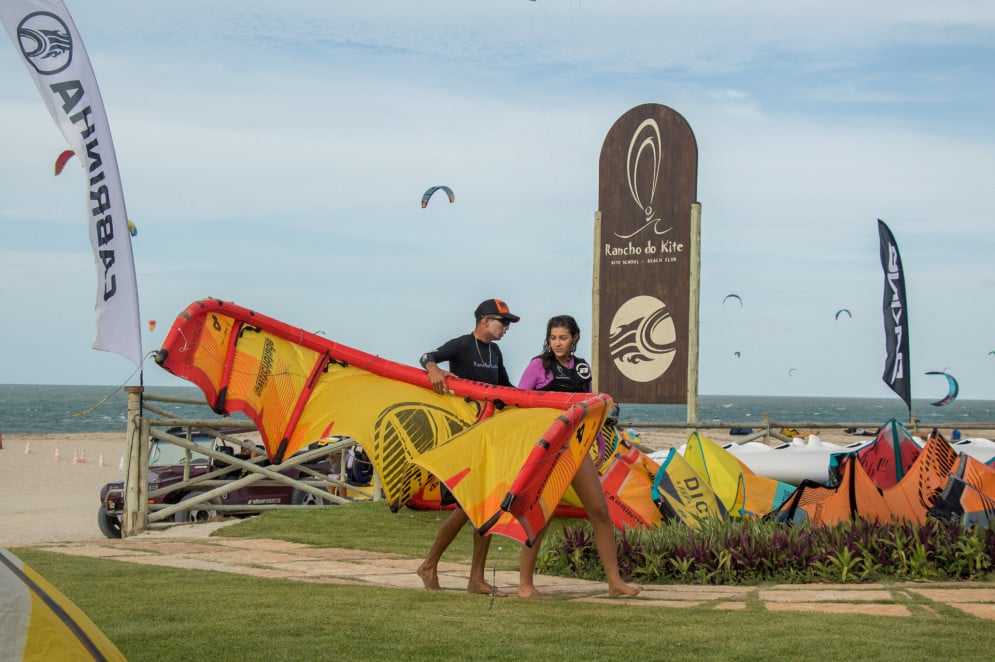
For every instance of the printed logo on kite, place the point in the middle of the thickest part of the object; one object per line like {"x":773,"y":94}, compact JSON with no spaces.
{"x":406,"y":430}
{"x":45,"y":42}
{"x":642,"y":339}
{"x":645,"y":150}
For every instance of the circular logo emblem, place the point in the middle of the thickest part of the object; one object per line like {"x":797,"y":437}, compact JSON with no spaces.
{"x":643,"y":339}
{"x":45,"y":41}
{"x":583,"y":370}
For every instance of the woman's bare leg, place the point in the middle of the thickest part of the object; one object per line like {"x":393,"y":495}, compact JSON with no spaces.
{"x":588,"y":487}
{"x":527,"y":569}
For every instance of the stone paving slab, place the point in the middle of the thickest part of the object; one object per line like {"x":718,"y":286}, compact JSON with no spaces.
{"x":955,"y":594}
{"x":336,"y":554}
{"x":980,"y":610}
{"x":180,"y":547}
{"x":696,"y":593}
{"x":840,"y":608}
{"x":263,"y":544}
{"x":818,"y":587}
{"x":825,"y":595}
{"x":250,"y":556}
{"x":640,"y":601}
{"x":95,"y":551}
{"x":327,"y":568}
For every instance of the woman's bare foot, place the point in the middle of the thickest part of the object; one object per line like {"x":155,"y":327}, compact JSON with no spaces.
{"x":485,"y":589}
{"x":528,"y":593}
{"x":623,"y":591}
{"x":430,"y":576}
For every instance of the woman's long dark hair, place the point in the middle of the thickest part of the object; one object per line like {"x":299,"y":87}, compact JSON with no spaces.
{"x":558,"y":322}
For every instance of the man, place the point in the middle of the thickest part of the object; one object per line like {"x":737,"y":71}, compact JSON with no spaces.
{"x":473,"y":356}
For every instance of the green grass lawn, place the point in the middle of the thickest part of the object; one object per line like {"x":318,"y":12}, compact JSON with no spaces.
{"x":162,"y":614}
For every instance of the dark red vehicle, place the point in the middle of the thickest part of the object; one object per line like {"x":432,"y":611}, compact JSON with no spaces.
{"x":167,"y":463}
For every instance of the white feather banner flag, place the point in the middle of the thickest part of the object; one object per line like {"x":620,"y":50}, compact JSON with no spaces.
{"x":45,"y":36}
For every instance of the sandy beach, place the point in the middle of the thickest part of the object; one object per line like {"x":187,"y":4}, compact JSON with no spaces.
{"x":46,"y":497}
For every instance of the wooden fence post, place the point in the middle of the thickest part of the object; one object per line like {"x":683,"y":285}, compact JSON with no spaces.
{"x":133,"y":455}
{"x":694,"y":296}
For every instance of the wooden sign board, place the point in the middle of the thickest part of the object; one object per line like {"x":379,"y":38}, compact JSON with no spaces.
{"x":648,"y":179}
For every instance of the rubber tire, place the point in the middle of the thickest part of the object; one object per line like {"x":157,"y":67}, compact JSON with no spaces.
{"x":109,"y":525}
{"x":195,"y":516}
{"x":302,"y":498}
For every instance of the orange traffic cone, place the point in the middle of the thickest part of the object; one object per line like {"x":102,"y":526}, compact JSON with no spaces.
{"x":82,"y":456}
{"x":75,"y":456}
{"x":56,"y":456}
{"x":100,"y":460}
{"x":27,"y":448}
{"x":120,"y":464}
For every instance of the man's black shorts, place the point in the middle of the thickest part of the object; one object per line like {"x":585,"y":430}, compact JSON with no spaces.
{"x":446,"y":497}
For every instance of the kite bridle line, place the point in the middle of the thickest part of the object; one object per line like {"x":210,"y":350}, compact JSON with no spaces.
{"x":107,"y":397}
{"x":494,"y":579}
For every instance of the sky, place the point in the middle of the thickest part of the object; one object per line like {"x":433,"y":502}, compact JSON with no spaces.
{"x":275,"y":154}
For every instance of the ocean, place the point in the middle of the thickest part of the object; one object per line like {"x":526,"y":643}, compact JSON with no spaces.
{"x":54,"y":409}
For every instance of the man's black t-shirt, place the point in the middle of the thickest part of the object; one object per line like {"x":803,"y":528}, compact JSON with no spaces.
{"x":470,"y":358}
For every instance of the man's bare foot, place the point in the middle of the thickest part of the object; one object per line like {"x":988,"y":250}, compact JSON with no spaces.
{"x":529,"y":593}
{"x":623,"y":591}
{"x":485,"y":589}
{"x":430,"y":577}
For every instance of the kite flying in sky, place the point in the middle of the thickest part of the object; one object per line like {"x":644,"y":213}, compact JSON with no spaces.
{"x":428,"y":194}
{"x":733,"y":296}
{"x":62,"y":160}
{"x":952,"y":386}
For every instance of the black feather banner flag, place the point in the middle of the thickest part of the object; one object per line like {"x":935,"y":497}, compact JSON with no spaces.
{"x":897,"y":370}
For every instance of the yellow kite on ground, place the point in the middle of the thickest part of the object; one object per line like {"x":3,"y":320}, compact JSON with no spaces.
{"x":37,"y":622}
{"x":742,"y":492}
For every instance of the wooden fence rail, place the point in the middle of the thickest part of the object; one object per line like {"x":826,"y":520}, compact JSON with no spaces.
{"x":147,"y":422}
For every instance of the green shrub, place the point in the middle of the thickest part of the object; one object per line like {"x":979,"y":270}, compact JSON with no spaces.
{"x":754,"y":551}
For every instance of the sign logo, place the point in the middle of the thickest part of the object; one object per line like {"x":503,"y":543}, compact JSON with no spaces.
{"x":46,"y":43}
{"x":643,"y":339}
{"x":646,"y":150}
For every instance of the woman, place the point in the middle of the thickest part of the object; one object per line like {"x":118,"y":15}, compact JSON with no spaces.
{"x":557,"y":369}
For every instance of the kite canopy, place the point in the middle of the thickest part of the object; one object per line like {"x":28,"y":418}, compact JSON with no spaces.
{"x":859,"y":494}
{"x":681,"y":493}
{"x":431,"y":191}
{"x":62,"y":160}
{"x":742,"y":492}
{"x":735,"y":297}
{"x":952,"y":388}
{"x":37,"y":622}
